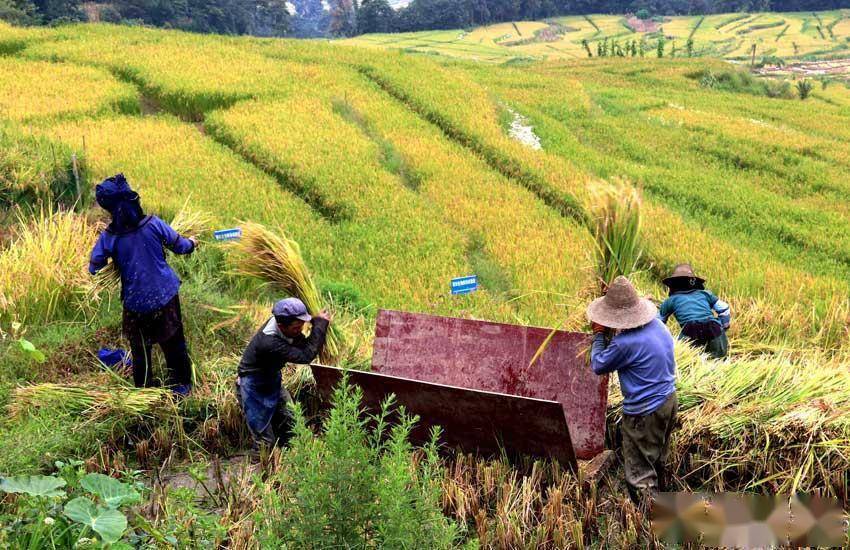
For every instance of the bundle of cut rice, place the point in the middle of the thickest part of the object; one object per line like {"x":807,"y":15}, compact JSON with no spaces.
{"x":277,"y":260}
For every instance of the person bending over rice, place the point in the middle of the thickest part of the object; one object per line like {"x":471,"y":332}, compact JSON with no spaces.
{"x":259,"y":390}
{"x":704,"y":318}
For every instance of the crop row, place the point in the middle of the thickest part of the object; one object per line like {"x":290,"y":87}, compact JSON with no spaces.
{"x":37,"y":89}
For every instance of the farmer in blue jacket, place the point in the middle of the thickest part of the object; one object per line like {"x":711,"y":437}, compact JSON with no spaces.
{"x":704,"y":318}
{"x":631,"y":340}
{"x":149,"y":287}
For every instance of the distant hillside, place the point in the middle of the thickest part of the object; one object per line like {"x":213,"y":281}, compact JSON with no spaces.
{"x":797,"y":36}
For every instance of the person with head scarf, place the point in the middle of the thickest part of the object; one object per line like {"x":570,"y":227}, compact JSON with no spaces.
{"x":704,"y":317}
{"x":136,"y":245}
{"x":630,"y":339}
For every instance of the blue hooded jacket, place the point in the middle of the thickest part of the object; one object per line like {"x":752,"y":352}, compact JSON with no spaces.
{"x":136,"y":245}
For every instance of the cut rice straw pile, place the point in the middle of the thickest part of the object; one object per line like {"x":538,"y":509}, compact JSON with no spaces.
{"x":116,"y":401}
{"x":277,"y":260}
{"x":763,"y":423}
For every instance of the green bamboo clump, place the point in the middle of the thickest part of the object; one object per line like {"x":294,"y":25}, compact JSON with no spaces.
{"x":277,"y":260}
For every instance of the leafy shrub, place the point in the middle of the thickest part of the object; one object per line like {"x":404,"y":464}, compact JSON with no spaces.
{"x":804,"y":88}
{"x":354,"y":486}
{"x":739,"y":81}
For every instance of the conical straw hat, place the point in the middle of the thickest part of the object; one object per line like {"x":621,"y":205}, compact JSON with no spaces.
{"x":683,"y":271}
{"x":621,"y":308}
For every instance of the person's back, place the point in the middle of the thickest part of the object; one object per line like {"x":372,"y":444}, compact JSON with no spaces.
{"x":690,"y":306}
{"x":645,"y":363}
{"x":147,"y":281}
{"x":704,"y":318}
{"x":149,"y":287}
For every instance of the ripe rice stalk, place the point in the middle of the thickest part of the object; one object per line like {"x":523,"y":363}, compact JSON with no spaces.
{"x":277,"y":260}
{"x":769,"y":422}
{"x":615,"y":226}
{"x":118,"y":401}
{"x":43,"y":269}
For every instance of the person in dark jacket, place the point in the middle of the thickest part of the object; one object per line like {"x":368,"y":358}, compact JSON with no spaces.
{"x":631,"y":340}
{"x":704,"y":317}
{"x":280,"y":340}
{"x":136,"y":244}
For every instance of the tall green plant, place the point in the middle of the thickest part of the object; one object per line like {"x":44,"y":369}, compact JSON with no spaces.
{"x":356,"y":486}
{"x":616,"y":221}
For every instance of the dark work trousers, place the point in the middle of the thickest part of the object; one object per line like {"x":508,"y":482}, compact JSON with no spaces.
{"x":266,"y":410}
{"x":164,"y":327}
{"x":646,"y":447}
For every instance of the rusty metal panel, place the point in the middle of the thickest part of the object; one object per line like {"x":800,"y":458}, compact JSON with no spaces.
{"x":473,"y":420}
{"x":495,"y":357}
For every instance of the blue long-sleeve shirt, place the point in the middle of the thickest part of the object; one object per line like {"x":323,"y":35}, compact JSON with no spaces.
{"x":644,"y":360}
{"x":695,"y":306}
{"x":147,"y":281}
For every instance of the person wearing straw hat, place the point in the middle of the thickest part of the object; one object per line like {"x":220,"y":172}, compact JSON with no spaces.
{"x":630,"y":339}
{"x":259,"y":388}
{"x":704,"y":318}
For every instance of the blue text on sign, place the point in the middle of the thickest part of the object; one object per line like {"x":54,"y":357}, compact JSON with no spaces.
{"x":228,"y":234}
{"x":465,"y":285}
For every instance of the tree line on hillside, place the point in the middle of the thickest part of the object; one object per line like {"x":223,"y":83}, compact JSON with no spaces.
{"x":318,"y":18}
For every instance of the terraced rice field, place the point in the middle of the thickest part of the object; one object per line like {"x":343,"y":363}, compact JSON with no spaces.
{"x":732,"y":36}
{"x":396,"y":172}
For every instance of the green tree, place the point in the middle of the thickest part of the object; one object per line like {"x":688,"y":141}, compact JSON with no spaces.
{"x":59,"y":10}
{"x":643,"y":14}
{"x":18,"y":12}
{"x":689,"y":46}
{"x":375,"y":16}
{"x":659,"y":49}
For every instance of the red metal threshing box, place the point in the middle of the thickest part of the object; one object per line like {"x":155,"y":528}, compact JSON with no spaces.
{"x":459,"y":354}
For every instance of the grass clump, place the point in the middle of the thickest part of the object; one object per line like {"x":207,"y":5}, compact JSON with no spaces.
{"x":355,"y":486}
{"x":43,"y":273}
{"x":743,"y":82}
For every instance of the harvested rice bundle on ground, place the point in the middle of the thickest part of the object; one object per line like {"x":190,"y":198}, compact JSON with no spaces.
{"x":277,"y":260}
{"x":767,"y":423}
{"x":117,"y":401}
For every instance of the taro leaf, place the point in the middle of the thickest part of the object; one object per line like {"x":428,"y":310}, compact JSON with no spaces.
{"x":108,"y":523}
{"x":37,"y":486}
{"x":112,"y":492}
{"x":30,"y":350}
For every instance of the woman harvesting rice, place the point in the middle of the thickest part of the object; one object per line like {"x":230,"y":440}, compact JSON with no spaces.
{"x":149,"y":287}
{"x":694,"y":308}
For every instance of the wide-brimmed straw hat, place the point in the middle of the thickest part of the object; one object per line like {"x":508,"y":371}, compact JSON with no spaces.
{"x":621,"y":308}
{"x":683,"y":271}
